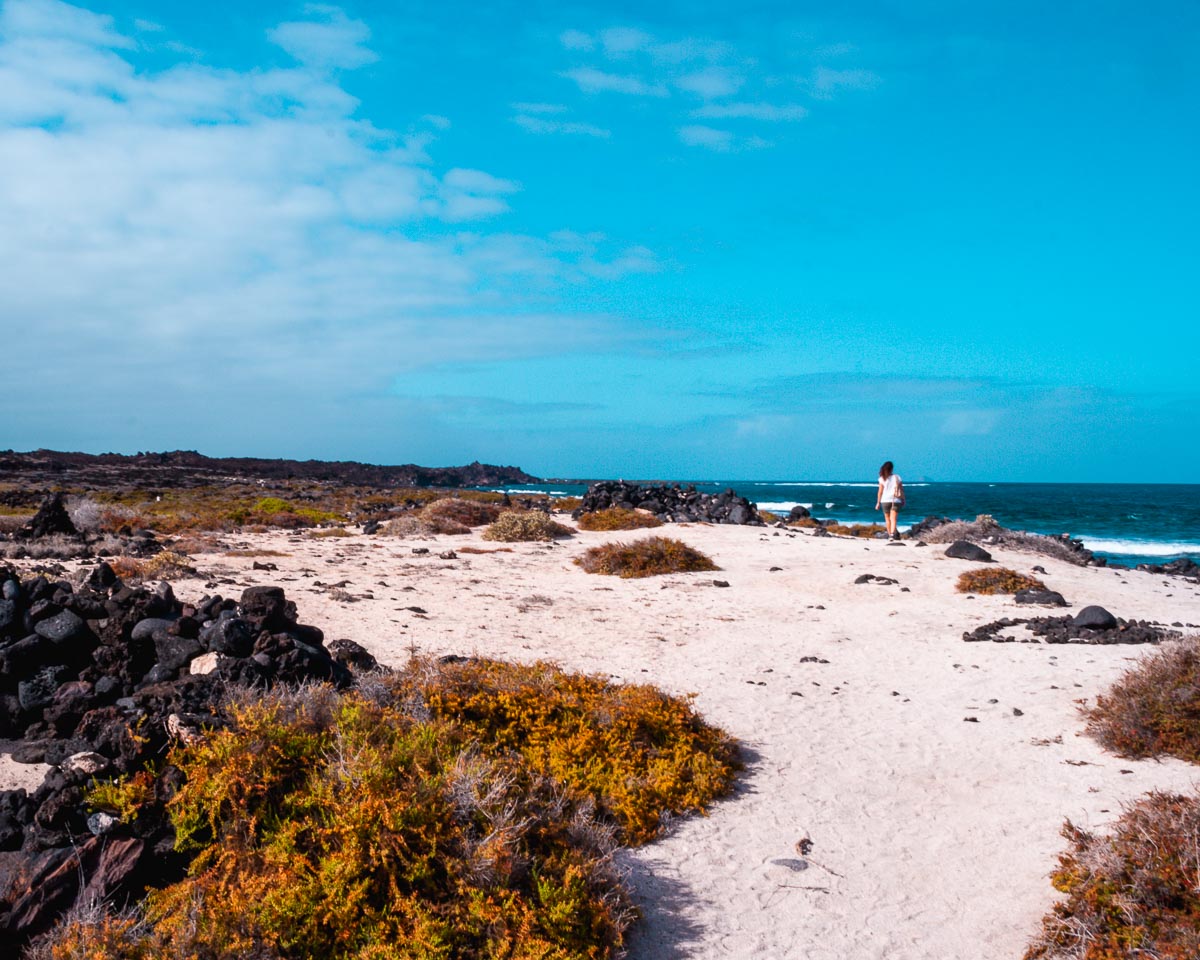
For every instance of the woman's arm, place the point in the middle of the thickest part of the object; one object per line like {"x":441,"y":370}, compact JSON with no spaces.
{"x":879,"y":493}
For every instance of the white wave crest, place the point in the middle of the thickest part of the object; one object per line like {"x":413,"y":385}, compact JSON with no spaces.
{"x":1142,"y":548}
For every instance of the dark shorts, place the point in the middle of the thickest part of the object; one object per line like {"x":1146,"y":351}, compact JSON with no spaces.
{"x":890,"y":506}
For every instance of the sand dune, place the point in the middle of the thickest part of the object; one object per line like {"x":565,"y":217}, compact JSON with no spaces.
{"x":928,"y":776}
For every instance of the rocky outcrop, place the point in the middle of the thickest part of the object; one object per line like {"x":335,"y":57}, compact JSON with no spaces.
{"x":670,"y":503}
{"x":52,"y":518}
{"x":1182,"y":567}
{"x":964,"y":550}
{"x":1092,"y":625}
{"x":99,"y":680}
{"x":186,"y":468}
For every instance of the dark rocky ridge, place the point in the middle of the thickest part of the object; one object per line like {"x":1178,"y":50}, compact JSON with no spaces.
{"x":186,"y":468}
{"x":98,"y":680}
{"x":671,"y":503}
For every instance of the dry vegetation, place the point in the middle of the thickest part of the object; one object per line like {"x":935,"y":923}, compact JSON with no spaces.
{"x":985,"y":528}
{"x":618,"y":518}
{"x":464,"y":810}
{"x":645,"y":558}
{"x":1136,"y":893}
{"x":996,"y":580}
{"x":523,"y":526}
{"x":1154,"y":708}
{"x":1130,"y":895}
{"x":867,"y":530}
{"x":167,"y":565}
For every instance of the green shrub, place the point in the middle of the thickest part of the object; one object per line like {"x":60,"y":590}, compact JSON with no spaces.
{"x":467,"y":513}
{"x":618,"y":518}
{"x":451,"y":810}
{"x":1130,"y":895}
{"x":645,"y":558}
{"x":519,"y":526}
{"x":1154,"y":708}
{"x":996,"y":580}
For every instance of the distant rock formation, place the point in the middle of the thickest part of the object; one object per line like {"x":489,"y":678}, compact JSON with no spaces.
{"x":186,"y":468}
{"x":670,"y":503}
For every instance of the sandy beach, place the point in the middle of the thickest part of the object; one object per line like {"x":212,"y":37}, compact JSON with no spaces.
{"x":930,"y":775}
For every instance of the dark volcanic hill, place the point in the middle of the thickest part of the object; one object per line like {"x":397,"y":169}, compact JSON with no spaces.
{"x":186,"y":468}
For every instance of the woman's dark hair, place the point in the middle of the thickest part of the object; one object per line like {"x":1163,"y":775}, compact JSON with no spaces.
{"x":886,"y":470}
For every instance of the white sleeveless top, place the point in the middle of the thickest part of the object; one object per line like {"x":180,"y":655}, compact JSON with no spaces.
{"x":889,"y":488}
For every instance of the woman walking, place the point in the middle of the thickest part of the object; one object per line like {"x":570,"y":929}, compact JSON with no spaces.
{"x":890,"y":497}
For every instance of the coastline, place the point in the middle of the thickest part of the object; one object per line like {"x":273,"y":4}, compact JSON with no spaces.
{"x":931,"y":776}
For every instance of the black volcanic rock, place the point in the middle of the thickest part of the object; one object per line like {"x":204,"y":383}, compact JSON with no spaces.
{"x":186,"y":468}
{"x":965,"y":550}
{"x":1094,"y":618}
{"x":670,"y":503}
{"x":51,"y":518}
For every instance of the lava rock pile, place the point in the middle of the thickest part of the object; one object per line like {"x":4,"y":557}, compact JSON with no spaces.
{"x":670,"y":503}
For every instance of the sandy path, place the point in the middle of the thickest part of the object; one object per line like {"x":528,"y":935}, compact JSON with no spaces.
{"x":932,"y":836}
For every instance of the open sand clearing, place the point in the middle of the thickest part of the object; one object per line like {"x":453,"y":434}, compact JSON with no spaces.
{"x":929,"y":776}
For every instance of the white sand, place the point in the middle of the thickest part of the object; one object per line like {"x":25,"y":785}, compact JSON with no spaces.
{"x":931,"y":837}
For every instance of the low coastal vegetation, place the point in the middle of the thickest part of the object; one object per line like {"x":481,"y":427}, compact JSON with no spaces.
{"x":453,"y":809}
{"x":645,"y":558}
{"x":1131,"y":894}
{"x":841,"y":529}
{"x":514,"y":526}
{"x":992,"y":580}
{"x":1134,"y":893}
{"x":618,"y":518}
{"x":1153,"y":709}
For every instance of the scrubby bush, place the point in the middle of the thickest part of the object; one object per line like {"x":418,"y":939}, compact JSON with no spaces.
{"x":566,"y":504}
{"x":645,"y":558}
{"x":1154,"y":708}
{"x":1130,"y":895}
{"x":985,"y":527}
{"x":332,"y":532}
{"x":996,"y":580}
{"x":167,"y":565}
{"x":618,"y":518}
{"x":865,"y":530}
{"x":519,"y":526}
{"x":415,"y":525}
{"x":452,"y":810}
{"x":467,"y":513}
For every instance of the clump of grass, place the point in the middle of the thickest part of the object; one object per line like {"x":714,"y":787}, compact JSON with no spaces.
{"x":566,"y":504}
{"x":256,"y":552}
{"x":1154,"y":708}
{"x":522,"y":526}
{"x":1132,"y":894}
{"x":645,"y":558}
{"x":467,"y":513}
{"x":996,"y":580}
{"x":331,"y":532}
{"x":618,"y":518}
{"x":865,"y":530}
{"x":418,"y":526}
{"x":167,"y":565}
{"x":470,"y":549}
{"x":451,"y":810}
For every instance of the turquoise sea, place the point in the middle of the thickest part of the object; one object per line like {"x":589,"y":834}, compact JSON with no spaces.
{"x":1128,"y":523}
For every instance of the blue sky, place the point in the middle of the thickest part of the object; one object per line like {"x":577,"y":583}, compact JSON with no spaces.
{"x":758,"y":241}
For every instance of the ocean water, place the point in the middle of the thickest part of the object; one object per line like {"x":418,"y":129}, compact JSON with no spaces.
{"x":1128,"y":523}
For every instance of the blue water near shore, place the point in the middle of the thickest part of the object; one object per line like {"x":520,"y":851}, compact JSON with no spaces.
{"x":1129,"y":523}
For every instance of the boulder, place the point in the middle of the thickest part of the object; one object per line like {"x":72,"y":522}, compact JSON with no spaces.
{"x":965,"y":550}
{"x":51,"y":518}
{"x":1045,"y":598}
{"x":798,"y":513}
{"x":1094,"y":618}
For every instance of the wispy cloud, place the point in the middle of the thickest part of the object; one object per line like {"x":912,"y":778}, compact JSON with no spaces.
{"x":770,"y":112}
{"x":591,"y":80}
{"x":329,"y":39}
{"x":699,"y":78}
{"x":826,"y":82}
{"x":569,"y":128}
{"x":157,"y":215}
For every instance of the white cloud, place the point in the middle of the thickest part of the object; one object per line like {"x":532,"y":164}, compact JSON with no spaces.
{"x":332,"y":40}
{"x":591,"y":80}
{"x":539,"y":107}
{"x":769,"y":112}
{"x":711,"y":83}
{"x":826,"y":82}
{"x":163,"y":226}
{"x":698,"y":135}
{"x":576,"y":40}
{"x":620,"y":42}
{"x":570,"y":128}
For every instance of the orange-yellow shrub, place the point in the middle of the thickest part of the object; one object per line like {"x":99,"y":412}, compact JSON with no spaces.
{"x":618,"y":518}
{"x":645,"y":558}
{"x":996,"y":580}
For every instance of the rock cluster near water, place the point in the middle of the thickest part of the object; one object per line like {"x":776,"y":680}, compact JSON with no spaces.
{"x":670,"y":503}
{"x":1188,"y":569}
{"x":1091,"y":625}
{"x":985,"y":530}
{"x":97,"y":680}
